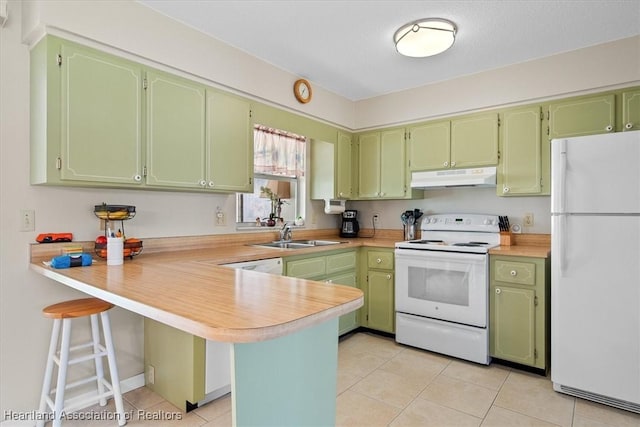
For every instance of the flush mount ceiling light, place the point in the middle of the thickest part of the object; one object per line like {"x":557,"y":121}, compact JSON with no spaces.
{"x":425,"y":37}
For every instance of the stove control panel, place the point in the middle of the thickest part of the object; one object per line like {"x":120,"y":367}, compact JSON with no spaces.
{"x":461,"y":222}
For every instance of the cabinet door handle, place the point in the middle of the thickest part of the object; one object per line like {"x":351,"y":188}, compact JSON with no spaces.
{"x":498,"y":291}
{"x":628,"y":125}
{"x":379,"y":261}
{"x":137,"y":178}
{"x":609,"y":128}
{"x":381,"y":194}
{"x":505,"y":189}
{"x":453,"y":164}
{"x":203,"y":183}
{"x":388,"y":277}
{"x":514,"y":273}
{"x":211,"y":184}
{"x":445,"y":164}
{"x":341,"y":194}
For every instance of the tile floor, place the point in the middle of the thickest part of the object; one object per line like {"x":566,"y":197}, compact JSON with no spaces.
{"x":382,"y":383}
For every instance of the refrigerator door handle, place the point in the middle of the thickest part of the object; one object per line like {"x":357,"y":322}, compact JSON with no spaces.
{"x":559,"y":193}
{"x":561,"y":221}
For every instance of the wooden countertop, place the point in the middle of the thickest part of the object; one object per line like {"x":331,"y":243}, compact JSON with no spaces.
{"x":179,"y":281}
{"x":529,"y":245}
{"x":188,"y":290}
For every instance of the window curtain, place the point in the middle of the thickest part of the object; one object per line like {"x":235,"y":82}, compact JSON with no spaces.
{"x":277,"y":152}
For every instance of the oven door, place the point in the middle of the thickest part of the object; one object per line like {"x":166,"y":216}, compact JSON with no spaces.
{"x":449,"y":286}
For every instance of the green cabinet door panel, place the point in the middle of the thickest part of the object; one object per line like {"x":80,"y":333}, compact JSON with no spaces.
{"x":631,"y":110}
{"x":341,"y":262}
{"x":178,"y":359}
{"x":347,"y":322}
{"x":520,"y":170}
{"x":582,"y":116}
{"x":101,"y":99}
{"x":430,"y":146}
{"x":322,"y":164}
{"x":314,"y":267}
{"x":523,"y":273}
{"x":474,"y":141}
{"x":381,"y":260}
{"x":380,"y":301}
{"x":369,"y":166}
{"x":175,"y":132}
{"x":344,"y":185}
{"x":392,"y":164}
{"x":513,"y":324}
{"x":229,"y":143}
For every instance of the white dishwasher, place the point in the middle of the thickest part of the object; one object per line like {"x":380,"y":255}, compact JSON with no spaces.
{"x":218,"y":354}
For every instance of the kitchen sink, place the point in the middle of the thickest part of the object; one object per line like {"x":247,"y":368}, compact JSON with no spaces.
{"x":296,"y":244}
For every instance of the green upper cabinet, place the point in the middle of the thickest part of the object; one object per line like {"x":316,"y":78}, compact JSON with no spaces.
{"x":474,"y":141}
{"x":101,"y":116}
{"x":369,"y":166}
{"x":631,"y":110}
{"x":176,"y":141}
{"x":521,"y":167}
{"x":381,"y":165}
{"x":331,"y":168}
{"x":582,"y":116}
{"x":344,"y":181}
{"x":464,"y":142}
{"x":229,"y":143}
{"x":430,"y":146}
{"x":86,"y":115}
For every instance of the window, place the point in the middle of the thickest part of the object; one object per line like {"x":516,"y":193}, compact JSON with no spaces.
{"x":279,"y":174}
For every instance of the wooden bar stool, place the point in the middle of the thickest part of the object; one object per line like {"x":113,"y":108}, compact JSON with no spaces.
{"x":62,"y":314}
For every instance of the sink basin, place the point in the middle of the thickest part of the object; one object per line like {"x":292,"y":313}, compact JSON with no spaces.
{"x":296,"y":244}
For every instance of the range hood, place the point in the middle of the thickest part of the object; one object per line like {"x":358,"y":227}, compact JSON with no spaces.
{"x":474,"y":177}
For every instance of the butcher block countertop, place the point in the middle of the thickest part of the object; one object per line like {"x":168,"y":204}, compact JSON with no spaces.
{"x":179,"y":281}
{"x":528,"y":245}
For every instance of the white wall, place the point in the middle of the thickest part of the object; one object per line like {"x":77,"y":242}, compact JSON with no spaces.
{"x":125,"y":25}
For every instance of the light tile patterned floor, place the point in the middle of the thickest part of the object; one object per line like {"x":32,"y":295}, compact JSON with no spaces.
{"x":382,"y":383}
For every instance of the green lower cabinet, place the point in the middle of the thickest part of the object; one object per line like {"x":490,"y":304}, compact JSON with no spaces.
{"x":178,"y":362}
{"x":379,"y":289}
{"x":340,"y":268}
{"x":519,"y":310}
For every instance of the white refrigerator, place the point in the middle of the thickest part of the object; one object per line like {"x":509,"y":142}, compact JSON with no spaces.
{"x":595,"y":268}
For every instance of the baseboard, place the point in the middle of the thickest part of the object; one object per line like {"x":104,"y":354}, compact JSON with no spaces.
{"x":126,"y":385}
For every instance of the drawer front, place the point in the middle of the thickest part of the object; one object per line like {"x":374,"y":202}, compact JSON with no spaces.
{"x":307,"y":268}
{"x":523,"y":273}
{"x":341,"y":262}
{"x":380,"y":260}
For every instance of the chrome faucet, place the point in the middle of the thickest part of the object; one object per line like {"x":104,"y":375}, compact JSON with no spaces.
{"x":285,"y":232}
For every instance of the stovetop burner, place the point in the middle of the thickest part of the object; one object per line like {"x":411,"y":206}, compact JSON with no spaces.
{"x":471,"y":244}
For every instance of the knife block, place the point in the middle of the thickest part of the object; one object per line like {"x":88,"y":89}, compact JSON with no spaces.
{"x":506,"y":238}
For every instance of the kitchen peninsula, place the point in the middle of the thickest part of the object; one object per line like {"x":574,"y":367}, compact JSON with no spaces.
{"x":284,"y":331}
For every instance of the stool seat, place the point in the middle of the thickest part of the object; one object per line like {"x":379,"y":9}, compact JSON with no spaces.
{"x":63,"y":313}
{"x":76,"y":308}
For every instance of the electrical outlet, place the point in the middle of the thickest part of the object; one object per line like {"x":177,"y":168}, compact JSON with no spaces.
{"x":527,"y":221}
{"x":220,"y":219}
{"x":27,"y":220}
{"x":376,"y":218}
{"x":151,"y":374}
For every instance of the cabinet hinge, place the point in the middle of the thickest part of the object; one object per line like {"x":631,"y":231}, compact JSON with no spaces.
{"x":144,"y":171}
{"x":144,"y":83}
{"x":535,"y":353}
{"x":547,"y":130}
{"x":548,"y":115}
{"x":535,"y":300}
{"x":250,"y":181}
{"x":250,"y":113}
{"x":407,"y":136}
{"x":541,"y":115}
{"x":58,"y":163}
{"x":498,"y":121}
{"x":59,"y":59}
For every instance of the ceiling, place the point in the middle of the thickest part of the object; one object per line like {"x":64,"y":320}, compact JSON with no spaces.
{"x":346,"y":47}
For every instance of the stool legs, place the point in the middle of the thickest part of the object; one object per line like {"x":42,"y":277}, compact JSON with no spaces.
{"x":95,"y":334}
{"x":63,"y":361}
{"x":113,"y":368}
{"x":48,"y":374}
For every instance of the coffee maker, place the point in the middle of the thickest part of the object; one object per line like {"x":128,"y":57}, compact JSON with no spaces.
{"x":350,"y":225}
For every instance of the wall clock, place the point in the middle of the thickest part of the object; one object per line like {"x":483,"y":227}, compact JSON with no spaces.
{"x":302,"y":90}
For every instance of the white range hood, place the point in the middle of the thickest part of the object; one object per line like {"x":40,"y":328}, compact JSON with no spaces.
{"x":473,"y":177}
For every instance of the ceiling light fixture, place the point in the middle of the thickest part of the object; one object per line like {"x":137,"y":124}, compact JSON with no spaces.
{"x":425,"y":37}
